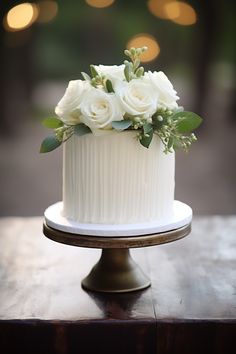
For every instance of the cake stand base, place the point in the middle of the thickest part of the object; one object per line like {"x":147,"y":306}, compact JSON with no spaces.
{"x":116,"y":271}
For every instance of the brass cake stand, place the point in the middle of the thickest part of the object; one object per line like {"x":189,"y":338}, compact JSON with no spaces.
{"x":116,"y":271}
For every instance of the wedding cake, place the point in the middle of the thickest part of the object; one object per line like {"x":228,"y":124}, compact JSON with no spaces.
{"x":119,"y":128}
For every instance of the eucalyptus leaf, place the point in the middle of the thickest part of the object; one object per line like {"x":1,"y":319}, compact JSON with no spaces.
{"x":128,"y":71}
{"x":186,"y":121}
{"x":81,"y":129}
{"x":52,"y":123}
{"x":86,"y":76}
{"x":94,"y":72}
{"x":122,"y":124}
{"x":109,"y":86}
{"x":147,"y":128}
{"x":49,"y":144}
{"x":146,"y":140}
{"x":140,"y":72}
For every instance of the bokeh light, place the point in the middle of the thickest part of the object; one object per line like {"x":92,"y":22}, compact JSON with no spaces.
{"x":157,"y":8}
{"x":181,"y":13}
{"x":20,"y":17}
{"x":100,"y":3}
{"x":145,"y":39}
{"x":47,"y":11}
{"x":172,"y":10}
{"x":176,"y":11}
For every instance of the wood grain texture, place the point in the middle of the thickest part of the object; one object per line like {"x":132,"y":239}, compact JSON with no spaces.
{"x":43,"y":308}
{"x":41,"y":279}
{"x":195,"y":278}
{"x":116,"y":242}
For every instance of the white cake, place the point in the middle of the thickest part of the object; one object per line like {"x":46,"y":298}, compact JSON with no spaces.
{"x":112,"y":179}
{"x":120,"y":127}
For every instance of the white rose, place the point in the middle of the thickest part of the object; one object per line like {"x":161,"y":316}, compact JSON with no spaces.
{"x":112,"y":72}
{"x":99,"y":109}
{"x":137,"y":97}
{"x":164,"y":88}
{"x":68,"y":108}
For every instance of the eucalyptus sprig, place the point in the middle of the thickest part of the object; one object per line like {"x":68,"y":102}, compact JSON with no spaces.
{"x":62,"y":132}
{"x":132,"y":69}
{"x":175,"y":129}
{"x":98,"y":80}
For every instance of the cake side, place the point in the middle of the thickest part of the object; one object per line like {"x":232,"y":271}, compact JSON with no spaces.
{"x":110,"y":179}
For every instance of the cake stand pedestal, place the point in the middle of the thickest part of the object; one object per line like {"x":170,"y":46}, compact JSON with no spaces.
{"x":116,"y":271}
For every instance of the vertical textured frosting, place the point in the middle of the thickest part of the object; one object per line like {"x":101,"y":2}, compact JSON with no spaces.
{"x":112,"y":179}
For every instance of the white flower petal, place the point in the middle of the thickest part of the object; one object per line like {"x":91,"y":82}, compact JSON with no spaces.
{"x":99,"y":109}
{"x":137,"y":97}
{"x":162,"y":85}
{"x":68,"y":108}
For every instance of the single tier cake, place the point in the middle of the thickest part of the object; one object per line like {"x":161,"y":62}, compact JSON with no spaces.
{"x":120,"y":127}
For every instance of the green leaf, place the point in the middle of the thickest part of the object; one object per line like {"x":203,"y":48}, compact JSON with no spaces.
{"x":127,"y":71}
{"x":52,"y":123}
{"x":140,"y":71}
{"x":109,"y":86}
{"x":122,"y":124}
{"x":86,"y":76}
{"x":127,"y":52}
{"x":81,"y":129}
{"x":186,"y":121}
{"x":94,"y":72}
{"x":49,"y":144}
{"x":147,"y":128}
{"x":146,"y":140}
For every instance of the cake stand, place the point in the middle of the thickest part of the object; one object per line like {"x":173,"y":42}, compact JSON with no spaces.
{"x":116,"y":271}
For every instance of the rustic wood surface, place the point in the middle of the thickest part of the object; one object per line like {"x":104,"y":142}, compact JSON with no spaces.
{"x":190,"y":308}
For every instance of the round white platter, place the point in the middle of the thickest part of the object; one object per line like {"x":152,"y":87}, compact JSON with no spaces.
{"x":182,"y":216}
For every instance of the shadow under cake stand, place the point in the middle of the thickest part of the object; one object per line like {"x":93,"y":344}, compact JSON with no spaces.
{"x":116,"y":271}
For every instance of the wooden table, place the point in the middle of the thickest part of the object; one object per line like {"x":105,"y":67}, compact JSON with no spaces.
{"x":190,"y":308}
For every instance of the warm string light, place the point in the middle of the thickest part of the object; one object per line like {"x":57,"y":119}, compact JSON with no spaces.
{"x":24,"y":15}
{"x":144,"y":39}
{"x":181,"y":13}
{"x":177,"y":11}
{"x":157,"y":8}
{"x":100,"y":3}
{"x":20,"y":17}
{"x":47,"y":10}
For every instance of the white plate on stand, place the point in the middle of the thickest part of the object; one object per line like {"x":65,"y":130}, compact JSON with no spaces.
{"x":182,"y":216}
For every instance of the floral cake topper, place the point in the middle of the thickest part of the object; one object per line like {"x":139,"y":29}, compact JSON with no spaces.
{"x":122,"y":98}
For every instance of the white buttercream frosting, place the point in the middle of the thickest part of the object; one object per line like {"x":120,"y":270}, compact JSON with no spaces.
{"x":112,"y":179}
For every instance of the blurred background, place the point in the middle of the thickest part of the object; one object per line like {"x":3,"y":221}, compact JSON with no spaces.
{"x":44,"y":44}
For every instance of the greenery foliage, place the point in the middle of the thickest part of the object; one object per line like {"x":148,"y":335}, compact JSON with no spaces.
{"x":174,"y":127}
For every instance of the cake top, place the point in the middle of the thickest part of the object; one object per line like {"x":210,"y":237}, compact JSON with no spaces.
{"x":123,"y":97}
